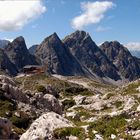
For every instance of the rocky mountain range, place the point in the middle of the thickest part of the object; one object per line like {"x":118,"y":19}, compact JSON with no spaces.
{"x":18,"y":53}
{"x":15,"y":55}
{"x":127,"y":65}
{"x":75,"y":55}
{"x":73,"y":103}
{"x":57,"y":57}
{"x":90,"y":55}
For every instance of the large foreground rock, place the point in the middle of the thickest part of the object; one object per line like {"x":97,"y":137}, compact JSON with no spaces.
{"x":47,"y":103}
{"x":11,"y":91}
{"x":43,"y":127}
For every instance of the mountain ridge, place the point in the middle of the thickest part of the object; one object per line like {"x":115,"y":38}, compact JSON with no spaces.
{"x":76,"y":55}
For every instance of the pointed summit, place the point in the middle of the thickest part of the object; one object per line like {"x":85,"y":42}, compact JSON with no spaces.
{"x":19,"y":42}
{"x":53,"y":37}
{"x":79,"y":35}
{"x":128,"y":66}
{"x":57,"y":57}
{"x":18,"y":53}
{"x":90,"y":55}
{"x":19,"y":39}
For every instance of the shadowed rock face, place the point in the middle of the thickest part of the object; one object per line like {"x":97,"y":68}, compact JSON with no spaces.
{"x":6,"y":65}
{"x":19,"y":54}
{"x":89,"y":55}
{"x":57,"y":57}
{"x":32,"y":49}
{"x":127,"y":65}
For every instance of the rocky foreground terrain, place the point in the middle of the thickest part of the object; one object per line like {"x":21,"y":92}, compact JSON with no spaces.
{"x":38,"y":107}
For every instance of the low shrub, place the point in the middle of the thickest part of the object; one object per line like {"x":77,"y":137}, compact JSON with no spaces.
{"x":68,"y":103}
{"x":72,"y":91}
{"x":41,"y":88}
{"x":22,"y":121}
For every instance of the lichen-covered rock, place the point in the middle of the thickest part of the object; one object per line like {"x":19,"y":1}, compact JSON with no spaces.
{"x":43,"y":127}
{"x":47,"y":102}
{"x":79,"y":99}
{"x":7,"y":80}
{"x":11,"y":91}
{"x":137,"y":134}
{"x":138,"y":108}
{"x":129,"y":104}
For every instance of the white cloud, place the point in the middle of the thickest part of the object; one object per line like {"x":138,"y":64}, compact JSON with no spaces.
{"x":15,"y":14}
{"x":8,"y":39}
{"x":102,"y":29}
{"x":133,"y":46}
{"x":93,"y":12}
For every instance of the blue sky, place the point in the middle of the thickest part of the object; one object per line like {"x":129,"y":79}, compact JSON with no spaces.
{"x":121,"y":21}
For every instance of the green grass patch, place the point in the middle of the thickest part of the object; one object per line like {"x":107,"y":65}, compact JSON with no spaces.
{"x":68,"y":103}
{"x":109,"y":125}
{"x":8,"y":108}
{"x":131,"y":89}
{"x":41,"y":88}
{"x":77,"y":90}
{"x":61,"y":133}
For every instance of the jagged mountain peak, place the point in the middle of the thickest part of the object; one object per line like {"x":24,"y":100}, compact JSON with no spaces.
{"x":18,"y":53}
{"x":113,"y":44}
{"x":80,"y":35}
{"x":127,"y":65}
{"x":113,"y":49}
{"x":57,"y":57}
{"x":52,"y":38}
{"x":19,"y":39}
{"x":17,"y":43}
{"x":90,"y":55}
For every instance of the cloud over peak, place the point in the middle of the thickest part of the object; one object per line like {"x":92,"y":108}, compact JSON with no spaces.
{"x":133,"y":46}
{"x":93,"y":12}
{"x":15,"y":14}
